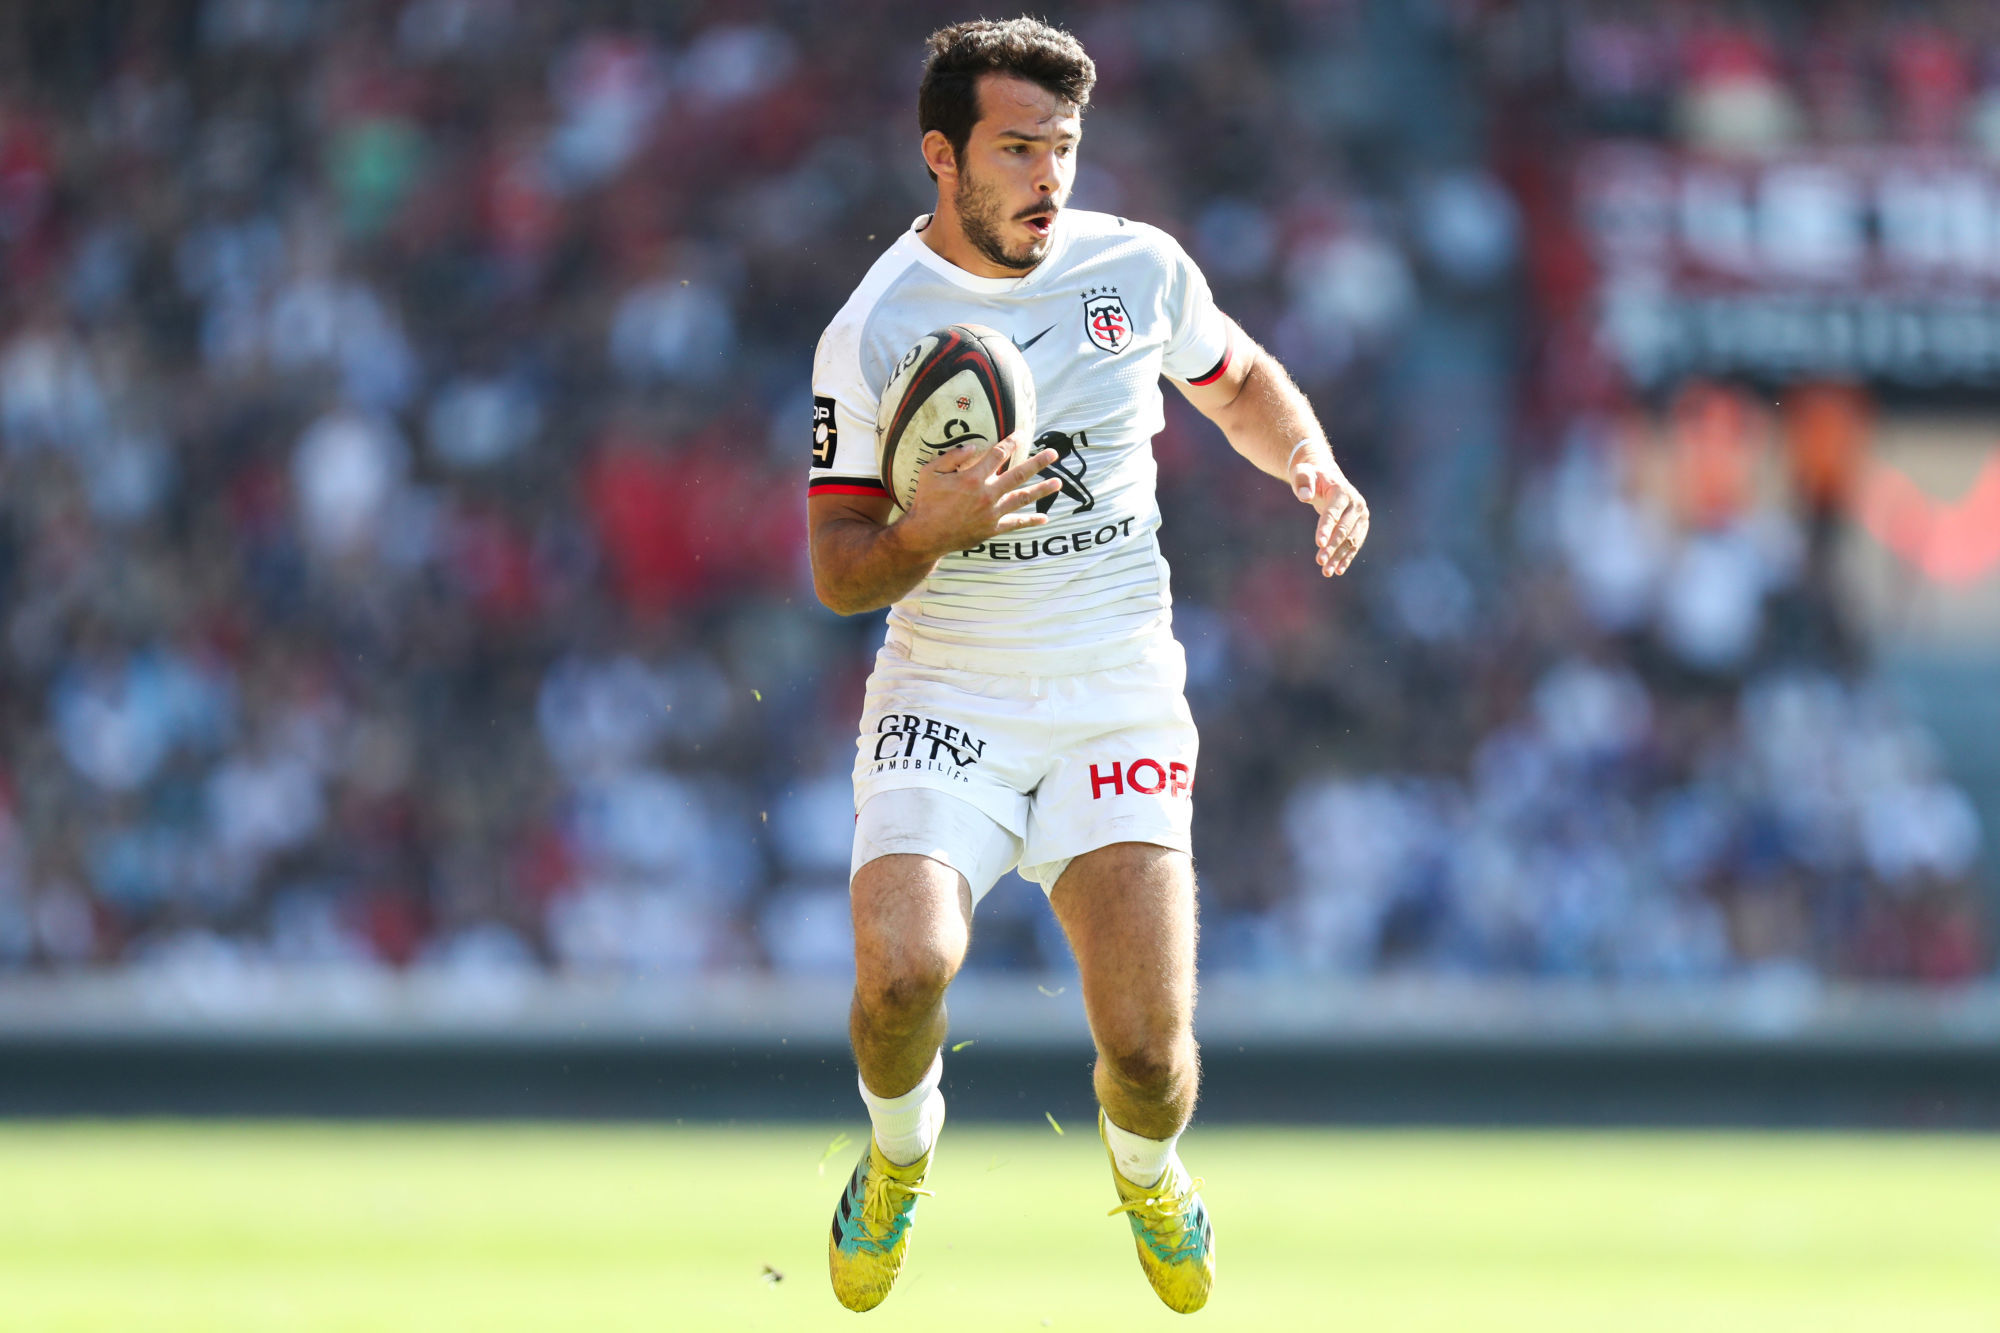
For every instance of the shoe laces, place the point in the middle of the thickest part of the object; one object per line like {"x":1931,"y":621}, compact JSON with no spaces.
{"x":1166,"y":1217}
{"x":885,"y":1204}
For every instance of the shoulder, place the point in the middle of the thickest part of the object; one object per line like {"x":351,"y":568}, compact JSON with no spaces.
{"x":843,"y":338}
{"x":868,"y":293}
{"x":1097,"y":234}
{"x":1096,"y":231}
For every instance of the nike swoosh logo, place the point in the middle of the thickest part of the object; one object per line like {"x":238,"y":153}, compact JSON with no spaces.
{"x":1024,"y":346}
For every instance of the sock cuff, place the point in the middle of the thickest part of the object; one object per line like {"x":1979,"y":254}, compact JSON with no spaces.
{"x":1141,"y":1160}
{"x":905,"y":1101}
{"x":1116,"y":1132}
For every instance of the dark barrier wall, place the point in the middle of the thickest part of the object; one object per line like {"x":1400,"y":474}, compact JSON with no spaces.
{"x":1483,"y":1084}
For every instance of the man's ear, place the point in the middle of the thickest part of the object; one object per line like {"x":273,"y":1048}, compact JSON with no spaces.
{"x":938,"y":155}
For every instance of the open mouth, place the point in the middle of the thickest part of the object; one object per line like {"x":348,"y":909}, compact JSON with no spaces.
{"x":1040,"y":223}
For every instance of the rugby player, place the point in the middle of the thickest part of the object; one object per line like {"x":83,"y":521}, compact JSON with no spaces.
{"x":1027,"y":706}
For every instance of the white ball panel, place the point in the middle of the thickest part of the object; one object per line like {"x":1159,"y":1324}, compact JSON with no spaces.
{"x":958,"y":413}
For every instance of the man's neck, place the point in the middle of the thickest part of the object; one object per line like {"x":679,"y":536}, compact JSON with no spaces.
{"x":946,"y":239}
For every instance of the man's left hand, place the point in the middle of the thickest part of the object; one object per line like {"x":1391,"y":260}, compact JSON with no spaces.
{"x":1343,"y":514}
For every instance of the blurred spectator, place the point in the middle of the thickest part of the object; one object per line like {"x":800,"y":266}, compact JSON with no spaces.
{"x":1733,"y":98}
{"x":348,"y":476}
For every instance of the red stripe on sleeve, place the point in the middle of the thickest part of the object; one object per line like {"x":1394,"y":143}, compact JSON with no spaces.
{"x":846,"y":488}
{"x":1213,"y":375}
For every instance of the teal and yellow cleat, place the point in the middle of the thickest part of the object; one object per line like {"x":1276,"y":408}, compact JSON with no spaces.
{"x":871,"y":1227}
{"x":1170,"y":1226}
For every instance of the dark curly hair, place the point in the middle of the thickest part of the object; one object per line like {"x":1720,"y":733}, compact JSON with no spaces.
{"x":948,"y":98}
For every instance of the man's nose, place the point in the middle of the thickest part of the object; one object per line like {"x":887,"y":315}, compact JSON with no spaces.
{"x":1046,"y":179}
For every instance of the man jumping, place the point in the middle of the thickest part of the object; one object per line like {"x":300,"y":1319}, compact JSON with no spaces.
{"x":1027,"y":707}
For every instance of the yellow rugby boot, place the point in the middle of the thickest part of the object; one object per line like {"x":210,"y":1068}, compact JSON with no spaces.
{"x":1171,"y":1230}
{"x":871,"y":1225}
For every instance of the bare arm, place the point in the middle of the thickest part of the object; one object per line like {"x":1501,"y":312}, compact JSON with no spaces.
{"x":861,"y":561}
{"x":1267,"y":419}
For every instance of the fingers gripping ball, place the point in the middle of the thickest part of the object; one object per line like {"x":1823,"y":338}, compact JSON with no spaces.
{"x":960,"y":385}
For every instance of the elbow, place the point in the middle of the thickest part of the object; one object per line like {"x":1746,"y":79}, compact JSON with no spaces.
{"x":823,"y":584}
{"x":829,"y":597}
{"x":848,"y":581}
{"x":840,"y":601}
{"x":838,"y":606}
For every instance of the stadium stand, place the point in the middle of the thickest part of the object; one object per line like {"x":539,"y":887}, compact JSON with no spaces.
{"x":403,"y":417}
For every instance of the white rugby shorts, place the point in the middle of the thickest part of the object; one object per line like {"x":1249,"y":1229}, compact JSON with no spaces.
{"x":1035,"y":770}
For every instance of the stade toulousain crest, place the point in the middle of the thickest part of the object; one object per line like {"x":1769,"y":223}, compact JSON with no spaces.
{"x":1105,"y":320}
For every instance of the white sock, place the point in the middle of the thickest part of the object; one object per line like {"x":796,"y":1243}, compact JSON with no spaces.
{"x":1140,"y":1160}
{"x":906,"y":1126}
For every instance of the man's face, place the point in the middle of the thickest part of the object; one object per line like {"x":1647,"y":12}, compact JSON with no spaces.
{"x":1016,"y":171}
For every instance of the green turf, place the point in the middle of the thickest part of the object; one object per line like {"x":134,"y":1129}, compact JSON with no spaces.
{"x":159,"y":1228}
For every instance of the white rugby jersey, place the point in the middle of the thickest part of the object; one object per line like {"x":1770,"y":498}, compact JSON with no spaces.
{"x":1113,"y":306}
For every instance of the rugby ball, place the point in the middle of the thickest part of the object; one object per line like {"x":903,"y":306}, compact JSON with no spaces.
{"x":964,"y":384}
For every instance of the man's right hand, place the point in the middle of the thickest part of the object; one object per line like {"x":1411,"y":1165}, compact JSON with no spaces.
{"x":968,"y":495}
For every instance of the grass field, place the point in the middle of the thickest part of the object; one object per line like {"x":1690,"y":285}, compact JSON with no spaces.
{"x":159,"y":1228}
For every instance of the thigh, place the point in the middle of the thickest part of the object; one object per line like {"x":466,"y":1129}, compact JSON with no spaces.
{"x":1129,"y":912}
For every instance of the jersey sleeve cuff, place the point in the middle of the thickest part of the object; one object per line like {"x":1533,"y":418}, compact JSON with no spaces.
{"x":846,"y":486}
{"x":1214,"y":373}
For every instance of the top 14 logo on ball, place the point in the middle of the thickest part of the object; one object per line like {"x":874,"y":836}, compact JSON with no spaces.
{"x":1105,"y":320}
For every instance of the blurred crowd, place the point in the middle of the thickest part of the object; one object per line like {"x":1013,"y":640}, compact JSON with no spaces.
{"x":403,"y":431}
{"x":1684,"y":769}
{"x":1746,"y":78}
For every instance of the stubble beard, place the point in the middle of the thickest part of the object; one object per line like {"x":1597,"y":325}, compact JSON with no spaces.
{"x":980,"y":214}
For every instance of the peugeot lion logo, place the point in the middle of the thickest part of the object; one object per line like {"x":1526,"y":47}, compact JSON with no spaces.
{"x":1070,"y":467}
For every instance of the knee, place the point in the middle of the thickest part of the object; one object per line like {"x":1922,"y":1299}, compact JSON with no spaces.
{"x":903,"y":989}
{"x":1150,"y":1064}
